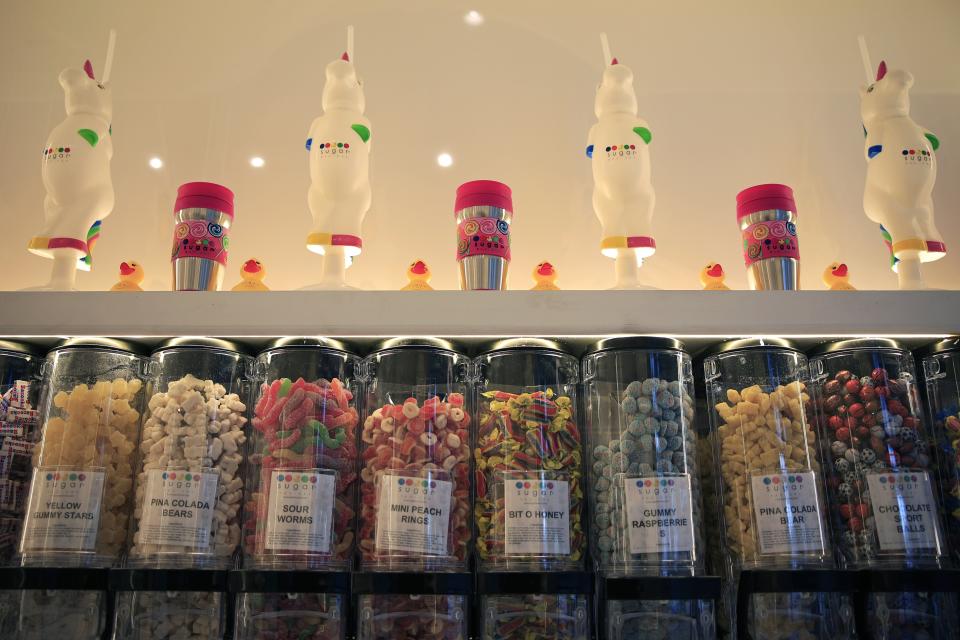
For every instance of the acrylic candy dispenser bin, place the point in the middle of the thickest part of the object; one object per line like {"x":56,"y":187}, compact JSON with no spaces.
{"x":82,"y":493}
{"x":881,"y":476}
{"x":528,"y":458}
{"x":541,"y":616}
{"x":301,"y":484}
{"x":645,"y":497}
{"x":189,"y":485}
{"x":414,"y":450}
{"x":19,"y":425}
{"x":660,"y":620}
{"x":411,"y":617}
{"x":770,"y":484}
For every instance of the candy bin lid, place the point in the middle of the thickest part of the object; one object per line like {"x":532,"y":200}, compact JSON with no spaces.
{"x":311,"y":342}
{"x":744,"y":344}
{"x":947,"y":345}
{"x":218,"y":344}
{"x":419,"y":343}
{"x":110,"y":344}
{"x":18,"y":348}
{"x":511,"y":344}
{"x":853,"y":344}
{"x":652,"y":343}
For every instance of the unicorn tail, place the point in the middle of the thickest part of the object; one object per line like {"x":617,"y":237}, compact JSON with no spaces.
{"x":86,"y":262}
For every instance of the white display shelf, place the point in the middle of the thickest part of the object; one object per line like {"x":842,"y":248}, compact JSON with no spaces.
{"x":694,"y":314}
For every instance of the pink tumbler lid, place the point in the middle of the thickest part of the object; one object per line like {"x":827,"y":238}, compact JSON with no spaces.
{"x":765,"y":197}
{"x":204,"y":195}
{"x":484,"y":193}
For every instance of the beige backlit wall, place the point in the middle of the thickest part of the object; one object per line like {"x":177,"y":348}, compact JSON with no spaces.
{"x":736,"y":93}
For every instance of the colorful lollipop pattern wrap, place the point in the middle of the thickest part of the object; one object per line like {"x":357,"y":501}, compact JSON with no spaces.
{"x":304,"y":446}
{"x":415,"y":491}
{"x":528,"y":460}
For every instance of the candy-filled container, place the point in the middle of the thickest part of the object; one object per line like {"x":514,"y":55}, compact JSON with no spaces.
{"x":414,"y":450}
{"x":190,"y":485}
{"x":542,"y":616}
{"x":941,"y":370}
{"x":880,"y":474}
{"x":645,"y":501}
{"x":660,"y":620}
{"x":82,"y":490}
{"x":769,"y":482}
{"x":293,"y":616}
{"x":19,"y":421}
{"x":528,"y":458}
{"x":169,"y":615}
{"x":405,"y":606}
{"x":41,"y":614}
{"x":302,"y":471}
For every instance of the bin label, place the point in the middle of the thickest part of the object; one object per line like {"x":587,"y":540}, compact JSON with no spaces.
{"x":537,"y":517}
{"x":300,"y":510}
{"x":787,"y":512}
{"x":178,"y":508}
{"x":64,"y":511}
{"x":413,"y":514}
{"x":904,"y":509}
{"x":659,"y":513}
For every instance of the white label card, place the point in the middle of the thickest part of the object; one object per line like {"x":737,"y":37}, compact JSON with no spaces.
{"x":178,"y":508}
{"x":659,"y":514}
{"x":413,"y":514}
{"x":904,"y":509}
{"x":300,"y":510}
{"x":537,"y":517}
{"x":787,"y":513}
{"x":64,"y":511}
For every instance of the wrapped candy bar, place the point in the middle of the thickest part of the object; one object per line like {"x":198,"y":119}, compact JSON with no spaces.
{"x":82,"y":489}
{"x":528,"y":457}
{"x":19,"y":372}
{"x":301,"y":475}
{"x":769,"y":478}
{"x":414,"y":478}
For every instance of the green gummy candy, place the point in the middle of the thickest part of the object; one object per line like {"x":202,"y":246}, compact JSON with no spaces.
{"x":362,"y":131}
{"x":90,"y":136}
{"x":644,"y":133}
{"x":285,"y":385}
{"x":300,"y":445}
{"x":313,"y":425}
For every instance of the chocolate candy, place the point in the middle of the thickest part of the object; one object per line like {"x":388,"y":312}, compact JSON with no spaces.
{"x":527,"y":439}
{"x":301,"y":426}
{"x":410,"y":443}
{"x":868,"y":425}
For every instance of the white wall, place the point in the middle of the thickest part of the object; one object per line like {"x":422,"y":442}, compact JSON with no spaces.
{"x":736,"y":93}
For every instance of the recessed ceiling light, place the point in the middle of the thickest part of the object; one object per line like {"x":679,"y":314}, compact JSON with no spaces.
{"x":257,"y":162}
{"x":444,"y":160}
{"x":473,"y":18}
{"x":155,"y":163}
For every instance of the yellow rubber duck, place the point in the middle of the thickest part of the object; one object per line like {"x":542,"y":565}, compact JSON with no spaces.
{"x":711,"y":277}
{"x":251,"y":275}
{"x":544,"y":275}
{"x":837,"y":277}
{"x":131,"y":275}
{"x":418,"y":273}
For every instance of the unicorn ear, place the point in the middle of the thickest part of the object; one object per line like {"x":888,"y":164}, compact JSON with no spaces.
{"x":88,"y":68}
{"x":881,"y":70}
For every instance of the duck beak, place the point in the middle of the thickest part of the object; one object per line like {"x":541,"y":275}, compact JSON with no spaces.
{"x":715,"y":271}
{"x":250,"y":266}
{"x":840,"y":271}
{"x":546,"y":269}
{"x":419,"y":267}
{"x":125,"y":269}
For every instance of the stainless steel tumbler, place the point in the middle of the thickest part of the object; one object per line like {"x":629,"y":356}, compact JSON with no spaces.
{"x":484,"y":211}
{"x":203,"y":214}
{"x":767,"y":217}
